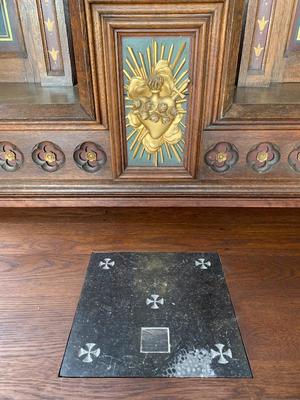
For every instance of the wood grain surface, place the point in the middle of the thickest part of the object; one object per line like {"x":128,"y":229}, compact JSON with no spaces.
{"x":43,"y":258}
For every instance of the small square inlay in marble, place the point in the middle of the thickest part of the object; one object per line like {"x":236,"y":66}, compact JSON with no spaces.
{"x":155,"y":315}
{"x":155,"y":340}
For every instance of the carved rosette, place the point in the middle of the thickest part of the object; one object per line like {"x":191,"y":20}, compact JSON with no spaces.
{"x":11,"y":158}
{"x":222,"y":157}
{"x":263,"y":157}
{"x":48,"y":156}
{"x":294,"y":159}
{"x":90,"y":157}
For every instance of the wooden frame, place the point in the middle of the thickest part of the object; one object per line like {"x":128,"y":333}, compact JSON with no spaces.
{"x":275,"y":62}
{"x":220,"y":120}
{"x":85,"y":110}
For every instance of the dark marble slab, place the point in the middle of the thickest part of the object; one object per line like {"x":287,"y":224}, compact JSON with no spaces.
{"x":155,"y":315}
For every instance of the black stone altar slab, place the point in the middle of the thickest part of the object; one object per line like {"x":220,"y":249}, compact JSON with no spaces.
{"x":155,"y":315}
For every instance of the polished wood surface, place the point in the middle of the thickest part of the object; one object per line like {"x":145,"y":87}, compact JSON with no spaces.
{"x":44,"y":255}
{"x":30,"y":93}
{"x":215,"y":116}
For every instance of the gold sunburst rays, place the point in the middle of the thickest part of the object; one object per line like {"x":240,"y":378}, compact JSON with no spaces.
{"x":144,"y":67}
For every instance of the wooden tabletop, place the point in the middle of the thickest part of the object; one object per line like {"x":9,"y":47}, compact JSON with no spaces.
{"x":43,"y":259}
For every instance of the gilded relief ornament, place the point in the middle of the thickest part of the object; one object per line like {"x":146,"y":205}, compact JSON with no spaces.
{"x":294,"y":159}
{"x":48,"y":156}
{"x":156,"y":95}
{"x":263,"y":157}
{"x":222,"y":157}
{"x":11,"y":158}
{"x":90,"y":156}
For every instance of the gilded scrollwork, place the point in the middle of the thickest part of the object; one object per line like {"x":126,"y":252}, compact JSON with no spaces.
{"x":156,"y":96}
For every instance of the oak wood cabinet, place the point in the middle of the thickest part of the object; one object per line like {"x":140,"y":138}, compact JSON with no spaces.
{"x":173,"y":106}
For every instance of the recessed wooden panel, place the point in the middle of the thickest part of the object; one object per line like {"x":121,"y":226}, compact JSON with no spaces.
{"x":55,"y":147}
{"x":11,"y":36}
{"x":5,"y":23}
{"x":260,"y":156}
{"x":156,"y":64}
{"x":294,"y":39}
{"x":271,"y":43}
{"x":180,"y":161}
{"x":156,"y":80}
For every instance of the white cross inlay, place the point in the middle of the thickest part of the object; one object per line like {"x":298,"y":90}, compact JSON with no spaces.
{"x":221,"y":354}
{"x":106,"y":263}
{"x":202,"y":263}
{"x":88,"y":352}
{"x":154,"y":301}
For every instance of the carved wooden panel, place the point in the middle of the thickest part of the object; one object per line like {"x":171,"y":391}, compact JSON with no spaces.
{"x":260,"y":40}
{"x":56,"y":63}
{"x":35,"y":42}
{"x":294,"y":39}
{"x":11,"y":36}
{"x":54,"y":157}
{"x":156,"y":64}
{"x":287,"y":63}
{"x":252,"y":156}
{"x":156,"y":86}
{"x":270,"y":48}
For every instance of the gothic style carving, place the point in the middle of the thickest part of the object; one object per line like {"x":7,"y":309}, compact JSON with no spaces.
{"x":90,"y":157}
{"x":263,"y":157}
{"x":51,"y":38}
{"x":294,"y":159}
{"x":48,"y":156}
{"x":156,"y":96}
{"x":222,"y":157}
{"x":11,"y":158}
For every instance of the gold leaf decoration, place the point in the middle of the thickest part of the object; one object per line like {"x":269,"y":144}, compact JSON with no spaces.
{"x":262,"y":23}
{"x":155,"y":94}
{"x":54,"y":54}
{"x":49,"y":24}
{"x":258,"y":50}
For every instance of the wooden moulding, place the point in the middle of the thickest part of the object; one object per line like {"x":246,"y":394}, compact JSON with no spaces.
{"x":98,"y":25}
{"x":86,"y":110}
{"x":267,"y":53}
{"x":202,"y":22}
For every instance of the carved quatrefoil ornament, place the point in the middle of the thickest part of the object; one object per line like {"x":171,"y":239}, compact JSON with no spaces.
{"x":222,"y":157}
{"x":90,"y":156}
{"x":294,"y":159}
{"x":48,"y":156}
{"x":11,"y":158}
{"x":263,"y":157}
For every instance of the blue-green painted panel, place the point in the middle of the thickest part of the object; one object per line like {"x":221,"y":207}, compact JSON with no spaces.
{"x":5,"y":24}
{"x":156,"y":98}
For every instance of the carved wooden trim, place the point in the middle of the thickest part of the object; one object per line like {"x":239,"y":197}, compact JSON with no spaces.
{"x":219,"y":121}
{"x":11,"y":158}
{"x":90,"y":157}
{"x":51,"y":38}
{"x":258,"y":50}
{"x":263,"y":157}
{"x":294,"y":159}
{"x":25,"y":115}
{"x":294,"y":37}
{"x":222,"y":157}
{"x":114,"y":21}
{"x":267,"y":56}
{"x":48,"y":156}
